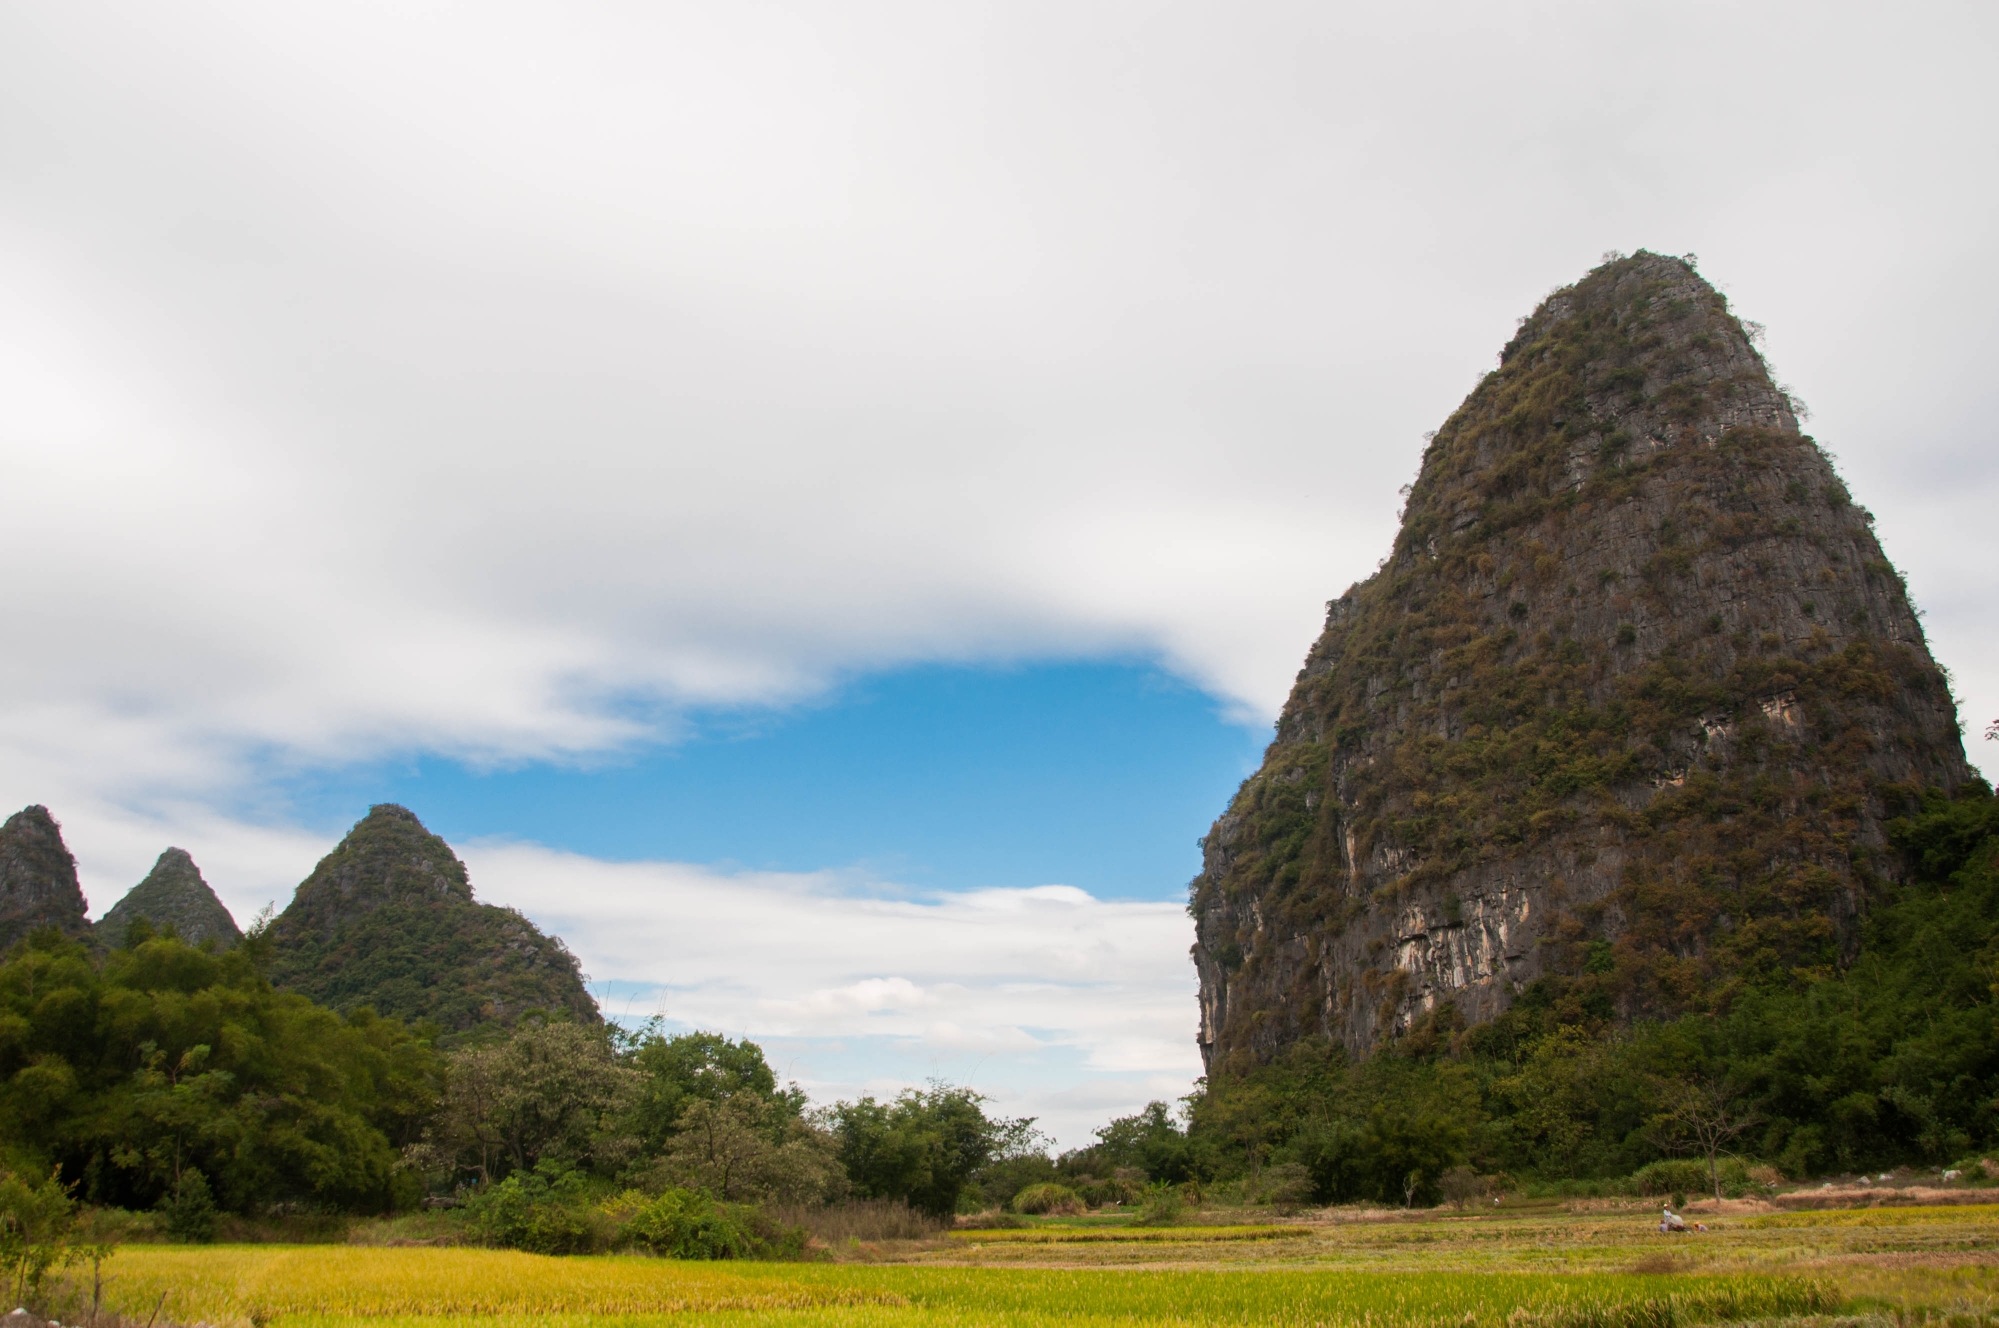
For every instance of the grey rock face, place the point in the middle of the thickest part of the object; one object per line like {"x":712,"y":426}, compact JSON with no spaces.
{"x":1626,"y":707}
{"x":38,"y":886}
{"x":172,"y":895}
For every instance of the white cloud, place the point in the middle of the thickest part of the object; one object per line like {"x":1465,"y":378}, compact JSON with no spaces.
{"x":1039,"y":992}
{"x":499,"y":381}
{"x":405,"y":378}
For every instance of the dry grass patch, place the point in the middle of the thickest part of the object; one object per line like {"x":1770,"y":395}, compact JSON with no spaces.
{"x":1126,"y":1234}
{"x":1880,"y":1217}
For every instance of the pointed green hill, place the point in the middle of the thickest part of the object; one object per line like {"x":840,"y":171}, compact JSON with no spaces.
{"x":388,"y":920}
{"x":38,"y":886}
{"x":172,"y":895}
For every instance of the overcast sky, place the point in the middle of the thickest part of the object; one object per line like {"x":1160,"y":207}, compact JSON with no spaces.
{"x":517,"y":388}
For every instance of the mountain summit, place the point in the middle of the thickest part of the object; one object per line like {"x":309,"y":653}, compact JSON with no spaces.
{"x":38,"y":886}
{"x":1619,"y":720}
{"x":173,"y":894}
{"x":387,"y":919}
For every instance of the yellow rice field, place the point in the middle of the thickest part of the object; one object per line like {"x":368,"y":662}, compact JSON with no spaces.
{"x":1548,"y":1267}
{"x":330,"y":1285}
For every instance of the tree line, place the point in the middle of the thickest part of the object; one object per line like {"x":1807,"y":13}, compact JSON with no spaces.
{"x":139,"y":1073}
{"x":170,"y":1077}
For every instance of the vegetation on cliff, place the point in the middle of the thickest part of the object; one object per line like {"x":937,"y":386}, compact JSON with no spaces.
{"x":38,"y":886}
{"x":387,"y":920}
{"x":1625,"y":711}
{"x":1886,"y":1058}
{"x":173,"y":896}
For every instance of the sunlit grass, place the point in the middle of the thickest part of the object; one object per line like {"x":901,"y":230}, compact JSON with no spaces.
{"x":1082,"y":1235}
{"x":325,"y":1286}
{"x":253,"y":1283}
{"x":1879,"y":1217}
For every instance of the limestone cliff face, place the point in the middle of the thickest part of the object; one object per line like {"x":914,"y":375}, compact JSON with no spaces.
{"x":38,"y":886}
{"x":172,"y":895}
{"x":1627,"y":705}
{"x":388,"y":920}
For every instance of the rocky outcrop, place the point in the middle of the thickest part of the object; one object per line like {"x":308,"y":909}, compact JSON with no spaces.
{"x":1623,"y":713}
{"x":175,"y":896}
{"x":388,"y":920}
{"x":38,"y":886}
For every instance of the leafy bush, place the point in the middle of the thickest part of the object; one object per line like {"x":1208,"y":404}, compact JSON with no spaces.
{"x":189,"y":1209}
{"x":1461,"y":1185}
{"x":1048,"y":1197}
{"x":1162,"y":1206}
{"x":682,"y":1224}
{"x":1126,"y":1185}
{"x":37,"y":1227}
{"x":1287,"y":1186}
{"x":545,"y":1211}
{"x":1689,"y":1175}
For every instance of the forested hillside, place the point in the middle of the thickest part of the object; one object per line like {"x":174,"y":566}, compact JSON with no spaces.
{"x":1889,"y":1058}
{"x":173,"y":895}
{"x":387,"y":920}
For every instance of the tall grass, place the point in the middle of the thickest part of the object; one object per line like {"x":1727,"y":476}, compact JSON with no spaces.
{"x":862,"y":1221}
{"x":1878,"y":1217}
{"x":1128,"y":1235}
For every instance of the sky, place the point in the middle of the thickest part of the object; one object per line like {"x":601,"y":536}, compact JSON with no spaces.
{"x":821,"y":504}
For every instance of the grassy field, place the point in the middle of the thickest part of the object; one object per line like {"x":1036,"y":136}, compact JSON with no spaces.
{"x":1546,"y":1267}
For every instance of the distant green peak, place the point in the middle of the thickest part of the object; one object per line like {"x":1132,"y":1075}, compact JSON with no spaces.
{"x":173,"y":894}
{"x":387,"y":920}
{"x":388,"y":857}
{"x":38,"y":886}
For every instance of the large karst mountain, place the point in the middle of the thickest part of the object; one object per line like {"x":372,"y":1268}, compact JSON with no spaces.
{"x":1625,"y":709}
{"x":387,"y":920}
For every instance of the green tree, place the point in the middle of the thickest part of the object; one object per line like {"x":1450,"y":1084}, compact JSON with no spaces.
{"x":1702,"y":1116}
{"x":1150,"y":1141}
{"x":548,"y":1092}
{"x":127,"y":1069}
{"x":677,"y":1071}
{"x":923,"y":1147}
{"x":37,"y":1232}
{"x":744,"y":1148}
